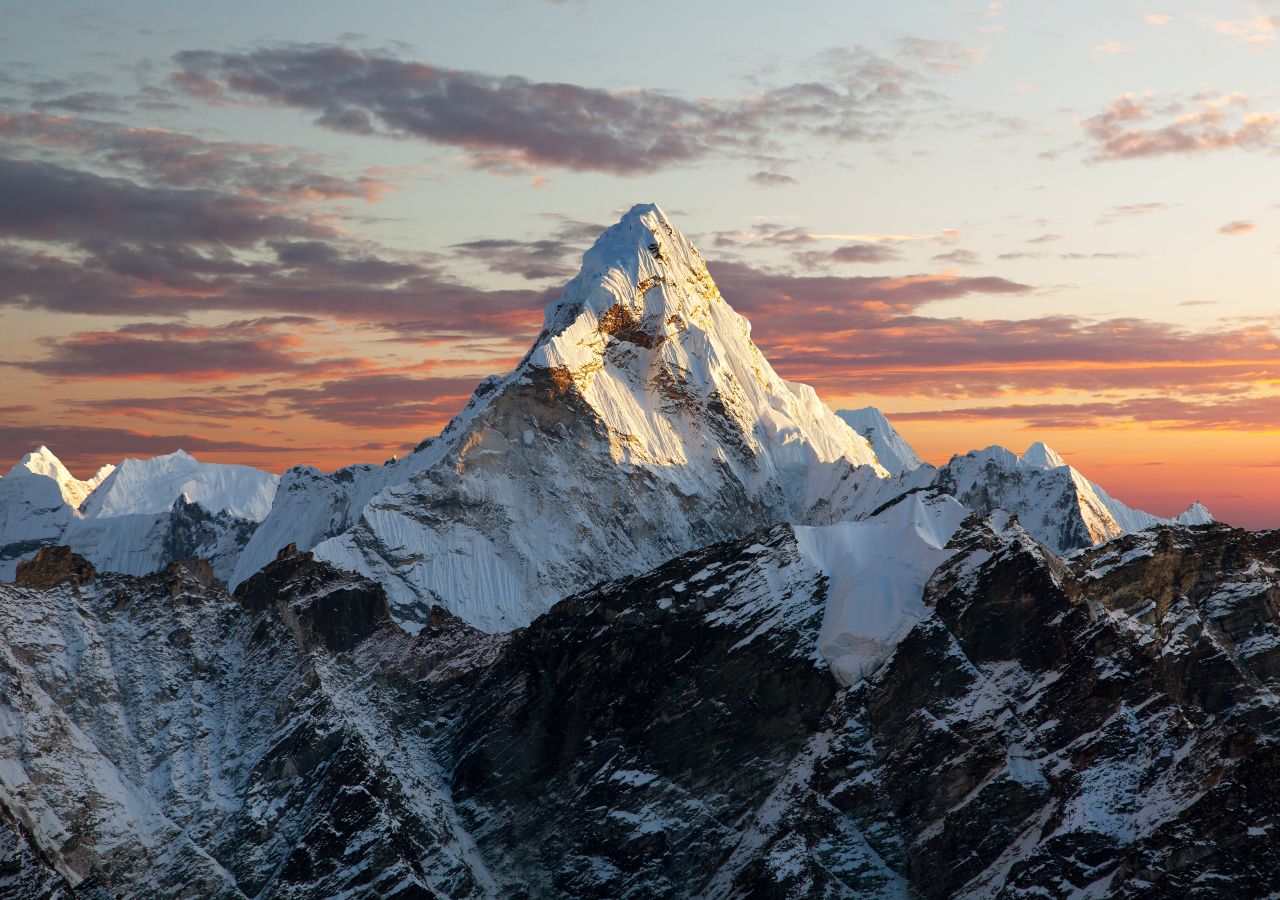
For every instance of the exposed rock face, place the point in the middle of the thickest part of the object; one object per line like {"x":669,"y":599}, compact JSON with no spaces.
{"x":53,"y":566}
{"x":323,"y":608}
{"x":652,"y":717}
{"x":1108,"y":729}
{"x":161,"y":738}
{"x":1104,"y":725}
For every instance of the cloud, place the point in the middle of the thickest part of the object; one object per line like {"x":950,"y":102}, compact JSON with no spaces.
{"x":412,"y":300}
{"x":805,"y":250}
{"x":218,"y":407}
{"x":1258,"y":33}
{"x":1111,"y":48}
{"x":1131,"y":210}
{"x":84,"y":243}
{"x":861,"y":254}
{"x":381,"y":400}
{"x":828,"y":304}
{"x":959,"y":257}
{"x":1138,"y":127}
{"x":1240,"y":226}
{"x":1239,"y":414}
{"x":552,"y":257}
{"x":46,"y":202}
{"x":176,"y":352}
{"x":509,"y":123}
{"x":1157,"y":19}
{"x":941,"y":56}
{"x":1100,"y":254}
{"x":177,"y":159}
{"x":868,"y":335}
{"x":771,"y":179}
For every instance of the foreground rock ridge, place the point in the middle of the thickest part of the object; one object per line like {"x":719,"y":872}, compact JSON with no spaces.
{"x":1105,"y":725}
{"x":645,"y":620}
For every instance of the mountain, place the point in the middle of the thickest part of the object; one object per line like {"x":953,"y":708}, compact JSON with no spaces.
{"x":643,"y":423}
{"x":891,"y":448}
{"x":1099,"y":726}
{"x":41,"y":461}
{"x":152,"y":485}
{"x":1054,"y":502}
{"x":134,"y":518}
{"x":34,"y":510}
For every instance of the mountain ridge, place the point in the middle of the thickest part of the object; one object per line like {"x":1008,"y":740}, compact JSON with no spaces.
{"x":642,"y":396}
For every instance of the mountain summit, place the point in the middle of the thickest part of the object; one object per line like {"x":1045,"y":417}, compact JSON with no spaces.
{"x":643,"y":423}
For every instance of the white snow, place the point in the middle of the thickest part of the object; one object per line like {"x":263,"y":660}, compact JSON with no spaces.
{"x":878,"y":568}
{"x":41,"y":461}
{"x":119,"y":519}
{"x":1039,"y":456}
{"x":152,"y":485}
{"x":1052,"y":500}
{"x":891,"y":448}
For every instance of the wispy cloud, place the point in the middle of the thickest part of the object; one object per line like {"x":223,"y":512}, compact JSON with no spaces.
{"x":1130,"y":210}
{"x":1111,"y":48}
{"x":1258,"y":33}
{"x":1142,"y":126}
{"x":1230,"y":414}
{"x":508,"y":123}
{"x":1240,"y":226}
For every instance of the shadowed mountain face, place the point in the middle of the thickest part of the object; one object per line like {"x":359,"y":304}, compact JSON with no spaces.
{"x":1107,"y":724}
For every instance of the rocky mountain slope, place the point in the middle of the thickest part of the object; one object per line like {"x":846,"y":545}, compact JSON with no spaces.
{"x":1103,"y":725}
{"x":1052,"y":500}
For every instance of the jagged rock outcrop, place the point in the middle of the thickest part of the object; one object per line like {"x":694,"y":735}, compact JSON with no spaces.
{"x":52,"y":566}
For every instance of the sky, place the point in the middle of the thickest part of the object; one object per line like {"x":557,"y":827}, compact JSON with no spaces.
{"x":295,"y":233}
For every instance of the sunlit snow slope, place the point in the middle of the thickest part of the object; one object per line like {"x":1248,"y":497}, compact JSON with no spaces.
{"x":642,"y":424}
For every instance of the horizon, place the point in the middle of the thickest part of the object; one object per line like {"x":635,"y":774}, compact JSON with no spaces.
{"x":277,"y":252}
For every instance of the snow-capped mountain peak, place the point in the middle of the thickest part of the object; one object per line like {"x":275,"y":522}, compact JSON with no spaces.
{"x":891,"y":448}
{"x":644,"y":326}
{"x":618,"y":291}
{"x":1196,"y":514}
{"x":41,"y":461}
{"x":643,"y":423}
{"x":148,"y":486}
{"x":1041,"y":456}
